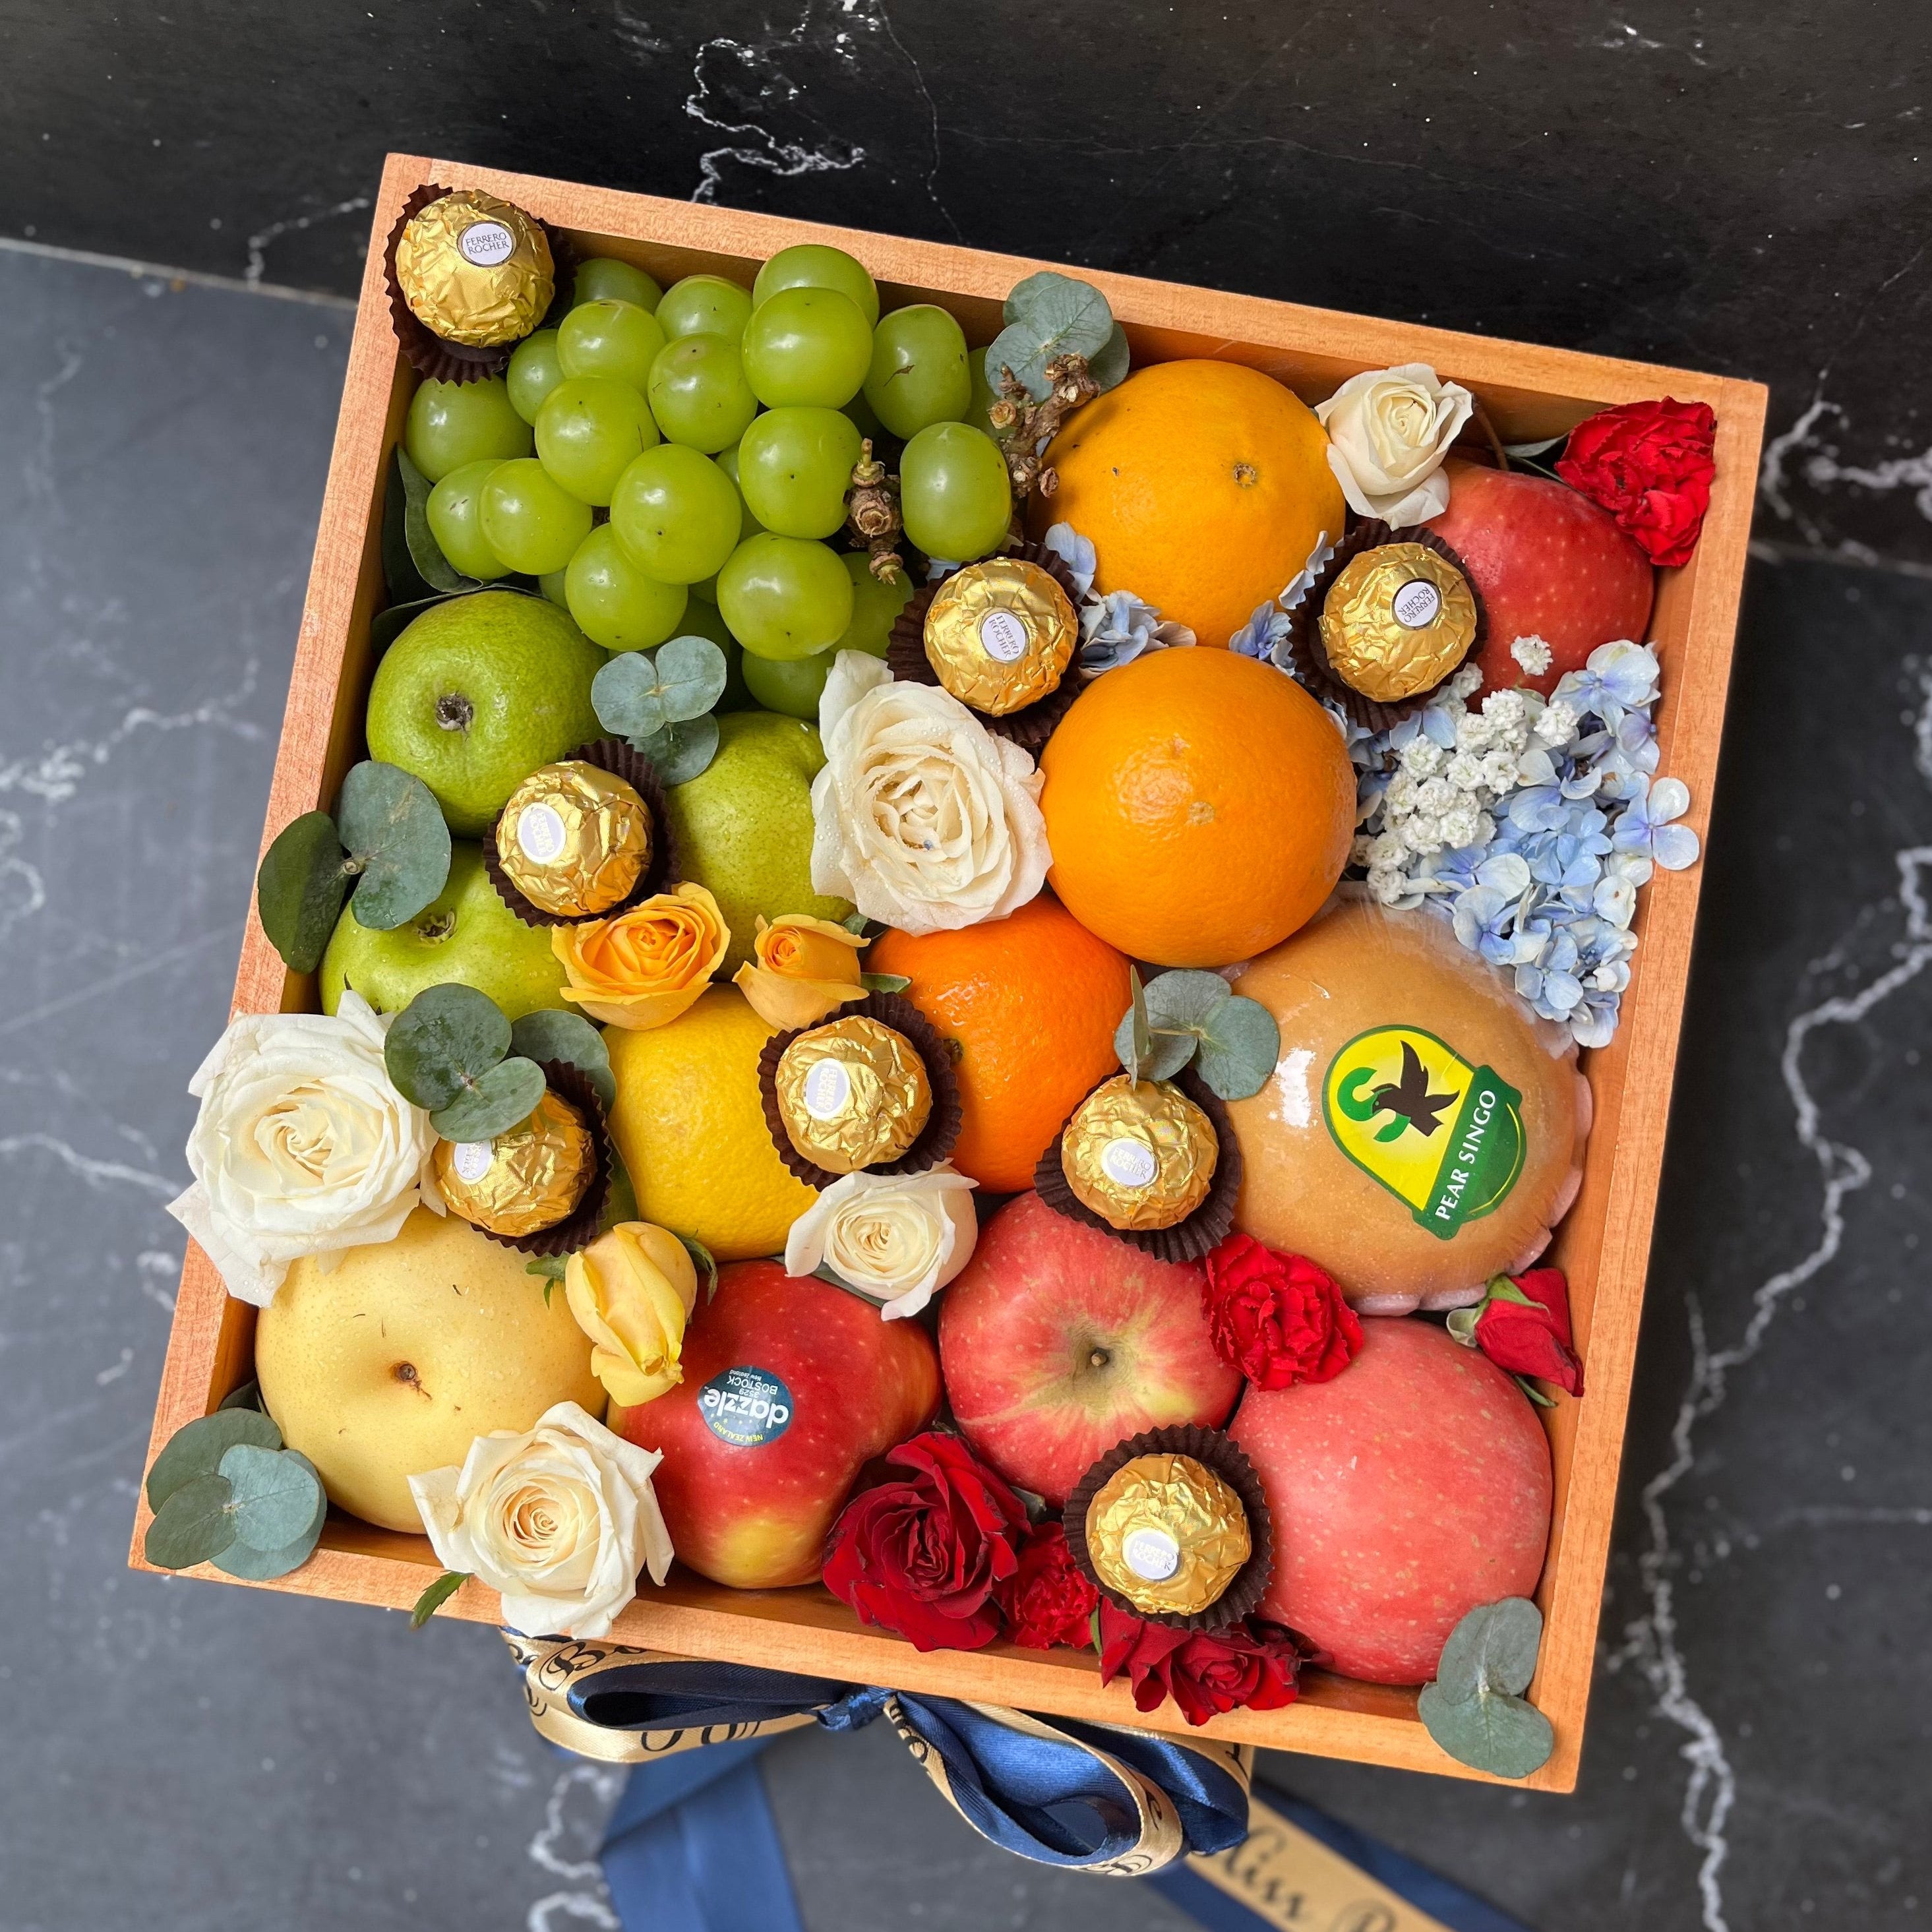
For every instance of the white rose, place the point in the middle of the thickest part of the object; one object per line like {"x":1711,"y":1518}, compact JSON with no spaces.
{"x":894,"y":1238}
{"x":1388,"y":431}
{"x":921,"y":817}
{"x":558,"y":1522}
{"x":302,"y":1147}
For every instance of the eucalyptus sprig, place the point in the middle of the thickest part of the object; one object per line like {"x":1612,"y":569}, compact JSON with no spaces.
{"x":1475,"y":1709}
{"x":661,"y":701}
{"x":448,"y":1052}
{"x":1059,"y":349}
{"x":1183,"y":1016}
{"x":226,"y":1491}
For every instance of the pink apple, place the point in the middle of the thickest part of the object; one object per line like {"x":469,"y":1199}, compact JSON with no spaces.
{"x":1549,"y":564}
{"x":1058,"y":1341}
{"x":1413,"y":1487}
{"x":790,"y":1387}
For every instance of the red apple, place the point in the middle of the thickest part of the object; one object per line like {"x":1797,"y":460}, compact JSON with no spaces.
{"x":1413,"y":1487}
{"x":1549,"y":563}
{"x":1058,"y":1341}
{"x":790,"y":1387}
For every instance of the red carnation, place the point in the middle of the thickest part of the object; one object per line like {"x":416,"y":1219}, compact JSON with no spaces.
{"x":922,"y":1557}
{"x":1048,"y":1600}
{"x":1523,"y":1325}
{"x":1278,"y":1318}
{"x":1650,"y":465}
{"x":1253,"y":1666}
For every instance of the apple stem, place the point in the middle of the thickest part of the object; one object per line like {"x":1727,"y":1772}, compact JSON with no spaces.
{"x":1099,"y":1359}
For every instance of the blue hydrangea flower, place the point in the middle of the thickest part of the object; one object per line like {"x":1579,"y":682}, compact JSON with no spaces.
{"x":1549,"y":983}
{"x":1261,"y":636}
{"x":1486,"y":920}
{"x":1539,"y":808}
{"x":1645,"y":827}
{"x":1618,"y":678}
{"x":1077,"y":553}
{"x":1115,"y":630}
{"x":1302,"y":581}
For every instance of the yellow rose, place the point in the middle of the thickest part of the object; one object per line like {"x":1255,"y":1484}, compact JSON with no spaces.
{"x":805,"y":968}
{"x":631,"y":1291}
{"x":644,"y":967}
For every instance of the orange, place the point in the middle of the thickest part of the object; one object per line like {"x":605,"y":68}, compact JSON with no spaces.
{"x":1203,"y":487}
{"x":1032,"y":1001}
{"x":1199,"y":806}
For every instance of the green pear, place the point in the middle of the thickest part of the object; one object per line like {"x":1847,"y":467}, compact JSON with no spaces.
{"x":467,"y":935}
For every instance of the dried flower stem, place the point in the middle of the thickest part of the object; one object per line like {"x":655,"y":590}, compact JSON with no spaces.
{"x":1024,"y":427}
{"x":872,"y":514}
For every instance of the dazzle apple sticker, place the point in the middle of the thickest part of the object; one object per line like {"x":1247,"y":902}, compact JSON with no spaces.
{"x":745,"y":1407}
{"x":1443,"y":1136}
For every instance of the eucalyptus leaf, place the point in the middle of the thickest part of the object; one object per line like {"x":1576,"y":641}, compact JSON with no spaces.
{"x":196,"y":1448}
{"x":275,"y":1497}
{"x":1493,"y":1731}
{"x":692,"y":673}
{"x":884,"y":982}
{"x":444,"y":1041}
{"x":638,"y":693}
{"x":1109,"y":366}
{"x":1493,"y":1648}
{"x":399,"y":574}
{"x":194,"y":1525}
{"x":299,"y":888}
{"x":1066,"y":316}
{"x":1164,"y":1053}
{"x":549,"y":1034}
{"x":680,"y":751}
{"x":248,"y":1396}
{"x":705,"y":1262}
{"x":1133,"y":1042}
{"x":425,"y":554}
{"x":1018,"y":349}
{"x":438,"y":1594}
{"x":263,"y":1566}
{"x":1184,"y":1000}
{"x":322,"y":1495}
{"x":493,"y":1104}
{"x":391,"y":826}
{"x":1240,"y":1044}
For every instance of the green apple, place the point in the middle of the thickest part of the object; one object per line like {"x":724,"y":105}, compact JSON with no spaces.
{"x":388,"y":1365}
{"x":743,"y":826}
{"x":477,"y":693}
{"x":468,"y":935}
{"x":794,"y":686}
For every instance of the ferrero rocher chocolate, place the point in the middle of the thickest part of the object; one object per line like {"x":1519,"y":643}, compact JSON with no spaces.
{"x":1397,"y":621}
{"x":525,"y":1180}
{"x":1167,"y":1533}
{"x":475,"y":270}
{"x":852,"y":1093}
{"x":1140,"y":1156}
{"x":574,"y":840}
{"x":1000,"y":634}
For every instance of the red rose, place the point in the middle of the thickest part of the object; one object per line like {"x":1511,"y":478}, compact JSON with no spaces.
{"x":1523,"y":1325}
{"x":1276,"y":1318}
{"x":921,"y":1558}
{"x":1650,"y":465}
{"x":1252,"y":1666}
{"x":1048,"y":1600}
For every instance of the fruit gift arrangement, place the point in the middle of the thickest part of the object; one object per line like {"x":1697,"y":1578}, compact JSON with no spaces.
{"x":956,"y":972}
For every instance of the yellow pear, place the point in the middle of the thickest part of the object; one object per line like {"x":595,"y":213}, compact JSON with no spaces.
{"x":390,"y":1364}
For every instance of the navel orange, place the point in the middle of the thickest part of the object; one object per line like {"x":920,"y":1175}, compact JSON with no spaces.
{"x":1203,"y":487}
{"x":1199,"y":806}
{"x":1032,"y":1001}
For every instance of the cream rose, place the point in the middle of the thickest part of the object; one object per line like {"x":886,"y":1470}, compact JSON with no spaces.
{"x":894,"y":1238}
{"x":302,"y":1147}
{"x":921,"y":816}
{"x":1388,"y":431}
{"x":558,"y":1522}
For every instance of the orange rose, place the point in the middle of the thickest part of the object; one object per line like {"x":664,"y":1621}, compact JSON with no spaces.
{"x":804,"y":969}
{"x":646,"y":966}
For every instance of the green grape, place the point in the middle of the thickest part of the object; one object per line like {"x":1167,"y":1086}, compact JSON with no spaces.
{"x":794,"y":467}
{"x":705,"y":589}
{"x":451,"y":424}
{"x":704,"y":305}
{"x":699,"y":394}
{"x":953,"y":492}
{"x":530,"y":520}
{"x":603,"y":278}
{"x":784,"y":597}
{"x":533,"y":373}
{"x":702,"y":620}
{"x":866,"y":419}
{"x":810,"y":265}
{"x":748,"y":525}
{"x":552,"y":582}
{"x":455,"y":520}
{"x":606,"y":337}
{"x":811,"y":346}
{"x":589,"y":430}
{"x":875,"y":606}
{"x":792,"y":685}
{"x":614,"y":603}
{"x":919,"y":374}
{"x":677,"y":513}
{"x":983,"y":398}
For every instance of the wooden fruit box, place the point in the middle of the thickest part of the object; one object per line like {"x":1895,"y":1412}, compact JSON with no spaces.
{"x":1602,"y":1244}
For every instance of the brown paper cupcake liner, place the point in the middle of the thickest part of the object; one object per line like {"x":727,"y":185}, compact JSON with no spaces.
{"x":614,"y":756}
{"x":1188,"y":1240}
{"x":578,"y":1228}
{"x":936,"y":1138}
{"x":1311,"y":655}
{"x":1215,"y":1450}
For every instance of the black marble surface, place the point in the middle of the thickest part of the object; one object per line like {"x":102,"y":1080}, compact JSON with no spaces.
{"x":185,"y":1756}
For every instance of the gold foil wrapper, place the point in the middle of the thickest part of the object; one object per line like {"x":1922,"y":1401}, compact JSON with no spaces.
{"x":1000,"y":634}
{"x":1397,"y":621}
{"x":1166,"y":1533}
{"x":1139,"y":1157}
{"x":475,"y":270}
{"x":524,"y":1180}
{"x":574,"y":840}
{"x":852,"y":1094}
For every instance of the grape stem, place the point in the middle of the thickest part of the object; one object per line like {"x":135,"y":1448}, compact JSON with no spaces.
{"x":1025,"y":427}
{"x":872,"y":514}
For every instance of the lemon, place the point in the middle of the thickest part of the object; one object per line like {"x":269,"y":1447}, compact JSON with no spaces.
{"x":690,"y":1126}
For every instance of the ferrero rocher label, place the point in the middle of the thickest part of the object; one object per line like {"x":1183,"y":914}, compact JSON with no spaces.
{"x":1000,"y":634}
{"x":1166,"y":1533}
{"x":475,"y":270}
{"x":1140,"y":1157}
{"x":525,"y":1180}
{"x":574,"y":840}
{"x":852,"y":1094}
{"x":1397,"y":621}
